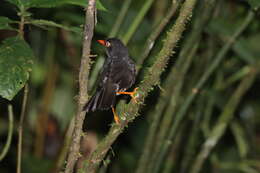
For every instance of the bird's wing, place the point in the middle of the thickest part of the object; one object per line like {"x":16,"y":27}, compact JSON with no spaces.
{"x":105,"y":94}
{"x":123,"y":74}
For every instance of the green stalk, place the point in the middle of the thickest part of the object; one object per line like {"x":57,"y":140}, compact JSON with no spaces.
{"x":172,"y":105}
{"x":192,"y":138}
{"x":138,"y":19}
{"x":178,"y":73}
{"x":181,"y":113}
{"x":120,"y":18}
{"x":224,"y":118}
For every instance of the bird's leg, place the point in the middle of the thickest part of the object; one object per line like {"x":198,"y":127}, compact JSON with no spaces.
{"x":116,"y":117}
{"x":132,"y":94}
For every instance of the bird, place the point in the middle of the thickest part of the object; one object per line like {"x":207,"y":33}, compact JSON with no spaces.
{"x":117,"y":75}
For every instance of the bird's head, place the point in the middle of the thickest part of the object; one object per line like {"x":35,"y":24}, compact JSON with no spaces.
{"x":114,"y":48}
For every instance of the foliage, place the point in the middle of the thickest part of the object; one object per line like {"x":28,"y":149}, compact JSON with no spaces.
{"x":15,"y":63}
{"x":198,"y":101}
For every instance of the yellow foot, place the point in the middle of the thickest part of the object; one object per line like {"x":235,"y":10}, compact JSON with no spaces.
{"x":116,"y":117}
{"x":132,"y":94}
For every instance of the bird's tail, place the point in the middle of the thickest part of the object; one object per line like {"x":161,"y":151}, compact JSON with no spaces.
{"x":104,"y":98}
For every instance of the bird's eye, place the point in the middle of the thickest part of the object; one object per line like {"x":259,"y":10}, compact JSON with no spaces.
{"x":108,"y":44}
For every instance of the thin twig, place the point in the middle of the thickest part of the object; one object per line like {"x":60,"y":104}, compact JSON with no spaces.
{"x":25,"y":96}
{"x":20,"y":129}
{"x":83,"y":86}
{"x":152,"y":78}
{"x":22,"y":21}
{"x":10,"y":133}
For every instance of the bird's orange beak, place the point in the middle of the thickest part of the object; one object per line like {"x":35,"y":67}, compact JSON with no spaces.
{"x":102,"y":42}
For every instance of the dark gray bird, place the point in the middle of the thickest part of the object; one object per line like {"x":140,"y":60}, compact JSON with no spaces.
{"x":118,"y":74}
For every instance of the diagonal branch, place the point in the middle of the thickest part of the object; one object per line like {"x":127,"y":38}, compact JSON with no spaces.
{"x":83,"y":87}
{"x":152,"y":78}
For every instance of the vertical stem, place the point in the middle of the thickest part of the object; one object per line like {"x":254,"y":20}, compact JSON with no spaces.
{"x":21,"y":27}
{"x":25,"y":96}
{"x":20,"y":129}
{"x":83,"y":86}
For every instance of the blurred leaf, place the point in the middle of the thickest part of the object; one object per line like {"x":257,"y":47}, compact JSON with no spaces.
{"x":53,"y":24}
{"x":53,"y":3}
{"x":236,"y":76}
{"x":253,"y":44}
{"x":254,"y":3}
{"x":239,"y":135}
{"x":4,"y":23}
{"x":59,"y":107}
{"x":16,"y":59}
{"x":17,"y":3}
{"x":221,"y":26}
{"x":242,"y":49}
{"x":34,"y":164}
{"x":39,"y":74}
{"x":246,"y":48}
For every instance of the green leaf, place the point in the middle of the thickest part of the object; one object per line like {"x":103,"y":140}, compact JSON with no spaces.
{"x":243,"y":50}
{"x":53,"y":24}
{"x":4,"y":23}
{"x":255,"y":4}
{"x":16,"y":59}
{"x":53,"y":3}
{"x":17,"y":3}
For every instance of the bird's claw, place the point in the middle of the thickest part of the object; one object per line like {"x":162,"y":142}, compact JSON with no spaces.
{"x":134,"y":95}
{"x":116,"y":117}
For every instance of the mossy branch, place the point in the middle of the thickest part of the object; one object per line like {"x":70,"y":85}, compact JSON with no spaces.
{"x":83,"y":86}
{"x":151,"y":79}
